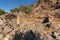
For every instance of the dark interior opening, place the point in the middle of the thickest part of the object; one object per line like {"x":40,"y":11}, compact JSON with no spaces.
{"x":45,"y":20}
{"x":48,"y":25}
{"x":52,"y":35}
{"x":29,"y":35}
{"x":18,"y":36}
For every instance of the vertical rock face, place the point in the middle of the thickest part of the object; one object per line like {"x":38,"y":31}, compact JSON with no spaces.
{"x":21,"y":17}
{"x":40,"y":2}
{"x":41,"y":24}
{"x":1,"y":36}
{"x":47,"y":4}
{"x":6,"y":38}
{"x":42,"y":9}
{"x":2,"y":21}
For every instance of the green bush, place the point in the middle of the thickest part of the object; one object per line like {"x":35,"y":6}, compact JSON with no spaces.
{"x":2,"y":12}
{"x":24,"y":8}
{"x":14,"y":10}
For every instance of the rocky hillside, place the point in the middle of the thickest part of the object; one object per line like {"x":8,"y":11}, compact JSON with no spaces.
{"x":43,"y":23}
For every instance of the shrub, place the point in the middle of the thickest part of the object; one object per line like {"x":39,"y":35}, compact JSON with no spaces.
{"x":2,"y":12}
{"x":14,"y":10}
{"x":24,"y":8}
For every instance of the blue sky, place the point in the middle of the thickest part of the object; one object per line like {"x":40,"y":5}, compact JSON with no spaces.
{"x":9,"y":4}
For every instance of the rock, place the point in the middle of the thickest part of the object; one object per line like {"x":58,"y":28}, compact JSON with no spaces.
{"x":2,"y":21}
{"x":6,"y":38}
{"x":46,"y":22}
{"x":32,"y":26}
{"x":1,"y":36}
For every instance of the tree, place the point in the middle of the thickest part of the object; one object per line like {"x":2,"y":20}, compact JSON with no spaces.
{"x":14,"y":10}
{"x":2,"y":11}
{"x":24,"y":8}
